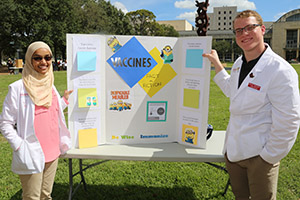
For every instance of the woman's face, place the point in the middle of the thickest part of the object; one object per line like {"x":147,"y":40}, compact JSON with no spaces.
{"x":41,"y":60}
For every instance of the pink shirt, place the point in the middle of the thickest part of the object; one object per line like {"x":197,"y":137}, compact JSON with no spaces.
{"x":47,"y":130}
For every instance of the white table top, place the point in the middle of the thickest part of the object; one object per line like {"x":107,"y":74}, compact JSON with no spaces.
{"x":155,"y":152}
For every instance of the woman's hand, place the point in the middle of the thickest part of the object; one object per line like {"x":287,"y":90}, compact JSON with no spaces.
{"x":67,"y":94}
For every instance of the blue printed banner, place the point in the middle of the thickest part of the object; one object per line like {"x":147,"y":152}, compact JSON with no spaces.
{"x":132,"y":62}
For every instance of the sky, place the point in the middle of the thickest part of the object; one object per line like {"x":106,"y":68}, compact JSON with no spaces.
{"x":270,"y":10}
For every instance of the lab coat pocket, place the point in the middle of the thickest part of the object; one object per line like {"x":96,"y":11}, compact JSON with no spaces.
{"x":22,"y":160}
{"x":253,"y":100}
{"x":251,"y":143}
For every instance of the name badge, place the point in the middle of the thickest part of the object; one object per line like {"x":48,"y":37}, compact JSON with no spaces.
{"x":236,"y":69}
{"x":256,"y":87}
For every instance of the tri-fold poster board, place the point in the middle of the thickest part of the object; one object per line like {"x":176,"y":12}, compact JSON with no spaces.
{"x":137,"y":89}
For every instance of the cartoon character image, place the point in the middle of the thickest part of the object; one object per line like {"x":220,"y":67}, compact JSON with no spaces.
{"x":88,"y":101}
{"x":113,"y":106}
{"x":189,"y":135}
{"x":167,"y":54}
{"x":127,"y":106}
{"x":94,"y":99}
{"x":113,"y":43}
{"x":120,"y":105}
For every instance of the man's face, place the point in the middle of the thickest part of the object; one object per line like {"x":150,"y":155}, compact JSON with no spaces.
{"x":249,"y":41}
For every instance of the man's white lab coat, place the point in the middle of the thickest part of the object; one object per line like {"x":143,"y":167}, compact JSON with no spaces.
{"x":264,"y":110}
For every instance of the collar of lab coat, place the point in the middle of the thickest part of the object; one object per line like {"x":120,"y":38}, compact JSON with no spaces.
{"x":259,"y":67}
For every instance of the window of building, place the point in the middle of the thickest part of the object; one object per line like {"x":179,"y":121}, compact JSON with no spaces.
{"x":290,"y":55}
{"x":224,"y":23}
{"x":224,"y":12}
{"x":228,"y":57}
{"x":219,"y":18}
{"x":228,"y":40}
{"x":219,"y":12}
{"x":224,"y":18}
{"x":291,"y":38}
{"x":295,"y":17}
{"x":230,"y":12}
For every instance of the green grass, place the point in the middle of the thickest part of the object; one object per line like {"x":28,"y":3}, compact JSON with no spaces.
{"x":139,"y":180}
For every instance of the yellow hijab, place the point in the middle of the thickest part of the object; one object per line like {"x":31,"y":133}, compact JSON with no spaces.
{"x":38,"y":86}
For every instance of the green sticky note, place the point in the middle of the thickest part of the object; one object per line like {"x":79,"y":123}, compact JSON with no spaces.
{"x":191,"y":98}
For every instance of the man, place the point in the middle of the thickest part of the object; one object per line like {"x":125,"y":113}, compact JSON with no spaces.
{"x":264,"y":110}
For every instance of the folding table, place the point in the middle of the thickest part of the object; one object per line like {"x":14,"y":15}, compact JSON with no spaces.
{"x":168,"y":152}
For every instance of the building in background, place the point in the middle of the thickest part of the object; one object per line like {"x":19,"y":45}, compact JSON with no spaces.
{"x":179,"y":25}
{"x":283,"y":35}
{"x":286,"y":35}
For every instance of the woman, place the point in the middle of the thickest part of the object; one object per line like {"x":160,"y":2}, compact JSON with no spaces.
{"x":33,"y":122}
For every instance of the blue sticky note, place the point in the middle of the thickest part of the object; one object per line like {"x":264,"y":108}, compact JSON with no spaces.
{"x":132,"y":62}
{"x":194,"y":58}
{"x":86,"y":60}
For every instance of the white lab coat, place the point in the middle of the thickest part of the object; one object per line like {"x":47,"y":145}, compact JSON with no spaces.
{"x":18,"y":108}
{"x":264,"y":110}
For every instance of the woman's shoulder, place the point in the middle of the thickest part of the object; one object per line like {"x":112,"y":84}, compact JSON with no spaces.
{"x":17,"y":85}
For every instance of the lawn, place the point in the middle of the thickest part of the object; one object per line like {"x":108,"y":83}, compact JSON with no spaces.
{"x":139,"y":180}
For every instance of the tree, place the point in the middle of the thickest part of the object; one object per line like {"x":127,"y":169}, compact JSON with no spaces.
{"x":236,"y":49}
{"x":143,"y":23}
{"x":222,"y":47}
{"x":31,"y":22}
{"x":26,"y":21}
{"x":62,"y":20}
{"x":6,"y":17}
{"x":101,"y":17}
{"x":165,"y":30}
{"x":117,"y":22}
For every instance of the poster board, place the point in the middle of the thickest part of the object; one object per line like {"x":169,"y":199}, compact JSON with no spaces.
{"x":137,"y":89}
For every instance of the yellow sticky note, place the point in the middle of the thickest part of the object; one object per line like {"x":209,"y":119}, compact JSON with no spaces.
{"x":87,"y":97}
{"x":189,"y":134}
{"x":191,"y":98}
{"x":87,"y":138}
{"x":158,"y":77}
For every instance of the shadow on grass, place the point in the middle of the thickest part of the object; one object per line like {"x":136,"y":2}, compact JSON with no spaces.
{"x":17,"y":196}
{"x":126,"y":192}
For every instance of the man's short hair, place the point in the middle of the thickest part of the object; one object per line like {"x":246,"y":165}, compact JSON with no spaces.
{"x":249,"y":13}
